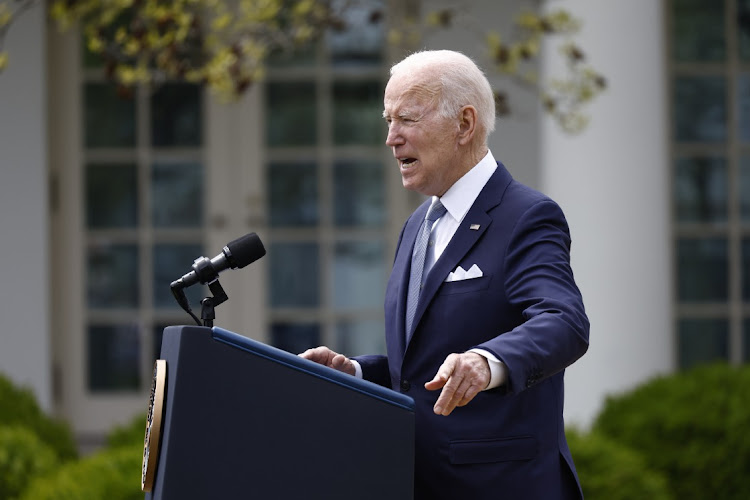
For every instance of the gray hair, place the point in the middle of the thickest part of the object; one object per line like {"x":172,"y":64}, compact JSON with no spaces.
{"x":462,"y":83}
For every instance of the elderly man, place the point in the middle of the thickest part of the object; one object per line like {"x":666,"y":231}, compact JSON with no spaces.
{"x":482,"y":313}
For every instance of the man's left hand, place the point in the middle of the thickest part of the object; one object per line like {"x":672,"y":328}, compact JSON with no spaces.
{"x":461,"y":376}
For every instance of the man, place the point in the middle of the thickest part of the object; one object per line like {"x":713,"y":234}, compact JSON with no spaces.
{"x":483,"y":346}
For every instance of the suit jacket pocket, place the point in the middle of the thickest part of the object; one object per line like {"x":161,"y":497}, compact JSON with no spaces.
{"x":465,"y":286}
{"x":485,"y":451}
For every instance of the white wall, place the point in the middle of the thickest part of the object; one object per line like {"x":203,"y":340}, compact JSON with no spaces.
{"x":24,"y":298}
{"x":613,"y":183}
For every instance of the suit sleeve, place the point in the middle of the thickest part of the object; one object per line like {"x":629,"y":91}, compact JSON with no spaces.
{"x":539,"y":283}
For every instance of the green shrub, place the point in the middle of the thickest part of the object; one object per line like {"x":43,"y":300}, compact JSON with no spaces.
{"x":112,"y":474}
{"x":23,"y":456}
{"x":131,"y":434}
{"x":610,"y":471}
{"x":18,"y":406}
{"x":693,"y":426}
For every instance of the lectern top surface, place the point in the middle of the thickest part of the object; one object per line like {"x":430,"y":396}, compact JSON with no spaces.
{"x":312,"y":368}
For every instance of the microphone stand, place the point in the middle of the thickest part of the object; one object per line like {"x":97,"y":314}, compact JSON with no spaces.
{"x":206,"y":274}
{"x":208,"y":304}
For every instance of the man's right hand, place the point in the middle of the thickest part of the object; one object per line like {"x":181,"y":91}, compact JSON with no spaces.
{"x":327,"y":357}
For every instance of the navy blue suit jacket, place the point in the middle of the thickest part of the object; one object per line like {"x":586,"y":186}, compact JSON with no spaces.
{"x":526,"y":309}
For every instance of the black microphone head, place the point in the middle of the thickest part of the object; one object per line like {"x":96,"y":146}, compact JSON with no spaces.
{"x":244,"y":250}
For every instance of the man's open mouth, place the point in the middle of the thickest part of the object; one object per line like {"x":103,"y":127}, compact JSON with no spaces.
{"x":406,"y":162}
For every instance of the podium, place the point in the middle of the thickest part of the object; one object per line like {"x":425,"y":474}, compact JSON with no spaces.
{"x":241,"y":419}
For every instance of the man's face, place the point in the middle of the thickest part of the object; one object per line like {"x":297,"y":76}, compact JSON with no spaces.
{"x":424,"y":143}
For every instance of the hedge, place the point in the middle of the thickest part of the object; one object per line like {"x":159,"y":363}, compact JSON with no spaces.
{"x":18,"y":406}
{"x":23,"y":456}
{"x":693,"y":426}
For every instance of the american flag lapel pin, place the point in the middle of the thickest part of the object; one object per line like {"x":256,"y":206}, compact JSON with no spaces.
{"x":474,"y":227}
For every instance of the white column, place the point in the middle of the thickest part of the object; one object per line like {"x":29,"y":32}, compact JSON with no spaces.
{"x":613,"y":183}
{"x":24,"y":244}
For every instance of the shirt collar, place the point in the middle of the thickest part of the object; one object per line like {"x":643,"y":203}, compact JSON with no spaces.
{"x":463,"y":193}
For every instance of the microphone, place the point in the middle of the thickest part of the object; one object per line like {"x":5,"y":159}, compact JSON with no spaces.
{"x":235,"y":255}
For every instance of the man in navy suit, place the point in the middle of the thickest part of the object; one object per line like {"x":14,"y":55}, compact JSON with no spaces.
{"x":482,"y":313}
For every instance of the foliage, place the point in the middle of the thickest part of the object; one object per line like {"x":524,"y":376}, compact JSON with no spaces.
{"x":224,"y":44}
{"x":113,"y":474}
{"x":18,"y":406}
{"x":610,"y":471}
{"x":23,"y":456}
{"x":131,"y":434}
{"x":693,"y":426}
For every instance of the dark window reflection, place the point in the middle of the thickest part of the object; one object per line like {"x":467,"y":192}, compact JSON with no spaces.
{"x":112,"y":276}
{"x":295,"y":338}
{"x":743,"y":89}
{"x":702,"y":269}
{"x":702,"y":341}
{"x":109,"y":117}
{"x":358,"y":113}
{"x":743,"y":27}
{"x":291,"y":119}
{"x":295,"y":275}
{"x":359,"y":193}
{"x":358,"y":275}
{"x":113,"y":358}
{"x":111,"y":196}
{"x":700,"y":112}
{"x":360,"y":337}
{"x":177,"y":195}
{"x":698,"y":30}
{"x":293,"y":196}
{"x":361,"y":37}
{"x":176,"y":115}
{"x":700,"y":189}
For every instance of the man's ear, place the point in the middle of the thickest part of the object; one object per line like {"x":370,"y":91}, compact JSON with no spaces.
{"x":467,"y":124}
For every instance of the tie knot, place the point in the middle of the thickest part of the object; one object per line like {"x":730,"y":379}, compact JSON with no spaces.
{"x":436,"y":211}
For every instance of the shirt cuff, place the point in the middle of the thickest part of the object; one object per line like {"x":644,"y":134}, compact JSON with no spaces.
{"x":357,"y":368}
{"x":498,"y":370}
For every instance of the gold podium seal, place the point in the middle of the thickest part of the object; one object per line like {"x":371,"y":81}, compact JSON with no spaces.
{"x":153,"y":425}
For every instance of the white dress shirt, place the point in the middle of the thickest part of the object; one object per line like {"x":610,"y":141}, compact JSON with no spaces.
{"x":457,"y":201}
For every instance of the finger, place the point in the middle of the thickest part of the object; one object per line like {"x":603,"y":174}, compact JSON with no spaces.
{"x":443,"y":402}
{"x":456,"y":397}
{"x":470,"y":394}
{"x":443,"y":374}
{"x":343,"y":364}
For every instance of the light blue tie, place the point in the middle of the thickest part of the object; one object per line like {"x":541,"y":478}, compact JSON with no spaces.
{"x":417,"y":263}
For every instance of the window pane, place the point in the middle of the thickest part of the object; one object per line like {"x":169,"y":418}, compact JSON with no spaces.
{"x":743,"y":26}
{"x":746,"y":269}
{"x":701,"y":189}
{"x":362,"y":337}
{"x":746,"y":342}
{"x":111,"y":196}
{"x":110,"y":117}
{"x":177,"y":195}
{"x":358,"y":113}
{"x":700,"y":108}
{"x":113,"y":358}
{"x":743,"y":88}
{"x":745,"y":188}
{"x":295,"y":338}
{"x":176,"y":118}
{"x":698,"y":31}
{"x":702,"y":341}
{"x":293,"y":196}
{"x":359,"y":193}
{"x":291,"y":114}
{"x":295,"y":275}
{"x":171,"y":261}
{"x":358,"y":275}
{"x":112,"y":276}
{"x":702,"y":269}
{"x":361,"y":39}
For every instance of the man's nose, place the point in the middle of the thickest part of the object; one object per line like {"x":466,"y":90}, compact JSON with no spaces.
{"x":394,"y":136}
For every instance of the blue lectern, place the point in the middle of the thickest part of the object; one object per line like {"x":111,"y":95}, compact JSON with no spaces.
{"x":240,"y":419}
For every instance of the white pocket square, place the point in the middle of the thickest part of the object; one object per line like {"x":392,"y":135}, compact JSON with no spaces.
{"x":459,"y":274}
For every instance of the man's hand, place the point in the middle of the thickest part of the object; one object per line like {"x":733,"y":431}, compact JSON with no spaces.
{"x":461,"y":376}
{"x":325,"y":356}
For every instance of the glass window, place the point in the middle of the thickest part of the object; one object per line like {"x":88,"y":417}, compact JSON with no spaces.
{"x":700,"y":108}
{"x":702,"y":341}
{"x":171,"y":261}
{"x":113,"y":358}
{"x":746,"y":342}
{"x":358,"y":113}
{"x":111,"y":196}
{"x":177,"y":194}
{"x":698,"y":30}
{"x":743,"y":27}
{"x":112,"y":276}
{"x":295,"y":338}
{"x":358,"y":274}
{"x":702,"y":269}
{"x":359,"y":193}
{"x":700,"y":189}
{"x":361,"y":38}
{"x":109,"y":117}
{"x":176,"y":118}
{"x":295,"y":275}
{"x":744,"y":186}
{"x":293,"y":194}
{"x":743,"y":89}
{"x":292,"y":117}
{"x":355,"y":338}
{"x":746,"y":269}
